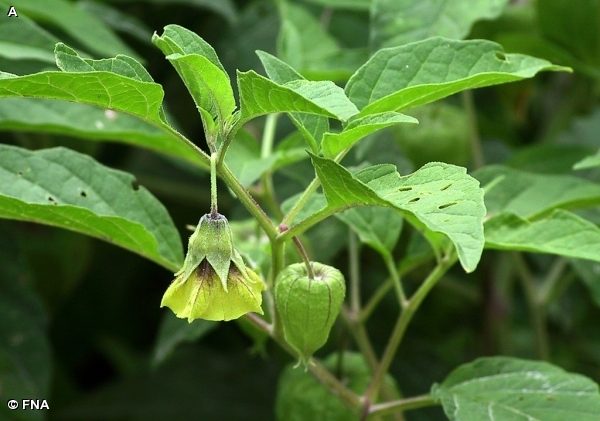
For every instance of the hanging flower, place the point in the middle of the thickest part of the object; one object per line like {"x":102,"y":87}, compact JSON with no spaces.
{"x":214,"y":283}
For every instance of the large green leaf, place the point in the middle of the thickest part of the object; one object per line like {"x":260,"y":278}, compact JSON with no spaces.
{"x":395,"y":79}
{"x":562,"y":233}
{"x":395,"y":23}
{"x":22,"y":39}
{"x":529,"y":195}
{"x":82,"y":26}
{"x":312,"y":127}
{"x":63,"y":188}
{"x":25,"y":361}
{"x":119,"y":84}
{"x":509,"y":389}
{"x":200,"y":69}
{"x":174,"y":331}
{"x":259,"y":96}
{"x":438,"y":196}
{"x":356,"y":129}
{"x":88,"y":122}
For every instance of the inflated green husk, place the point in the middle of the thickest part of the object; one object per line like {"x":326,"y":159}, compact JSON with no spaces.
{"x":308,"y":307}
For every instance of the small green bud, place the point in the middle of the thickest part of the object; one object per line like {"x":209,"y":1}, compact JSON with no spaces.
{"x":214,"y":283}
{"x":308,"y":307}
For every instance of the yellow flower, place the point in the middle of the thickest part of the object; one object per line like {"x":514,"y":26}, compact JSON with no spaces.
{"x":214,"y":283}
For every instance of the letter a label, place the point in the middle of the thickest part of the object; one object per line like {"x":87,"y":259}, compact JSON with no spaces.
{"x":12,"y":13}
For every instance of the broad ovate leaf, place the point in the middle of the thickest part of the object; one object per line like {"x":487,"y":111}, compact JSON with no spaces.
{"x":440,"y":197}
{"x":63,"y":188}
{"x":561,"y":232}
{"x":260,"y":96}
{"x":395,"y":79}
{"x":395,"y":23}
{"x":510,"y":389}
{"x":312,"y":127}
{"x":529,"y":194}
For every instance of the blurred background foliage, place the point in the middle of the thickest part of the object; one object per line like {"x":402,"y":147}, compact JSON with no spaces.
{"x":82,"y":318}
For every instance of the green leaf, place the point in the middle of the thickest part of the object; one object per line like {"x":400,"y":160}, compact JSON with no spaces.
{"x":562,"y":233}
{"x":591,"y":161}
{"x":63,"y":188}
{"x":25,"y":361}
{"x":88,"y":122}
{"x":244,"y":160}
{"x":395,"y":23}
{"x":312,"y":127}
{"x":530,"y":195}
{"x":260,"y":96}
{"x":75,"y":22}
{"x":22,"y":39}
{"x":438,"y":196}
{"x":131,"y":91}
{"x":200,"y":69}
{"x":68,"y":60}
{"x":377,"y":227}
{"x":509,"y":389}
{"x":179,"y":40}
{"x":100,"y":88}
{"x":208,"y":85}
{"x":395,"y":79}
{"x":173,"y":332}
{"x":356,"y":129}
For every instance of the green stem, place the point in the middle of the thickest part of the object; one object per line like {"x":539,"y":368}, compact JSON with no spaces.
{"x":405,"y":317}
{"x":268,"y":136}
{"x":293,"y":212}
{"x":400,"y":405}
{"x":474,"y":137}
{"x":302,"y":251}
{"x":247,"y":201}
{"x":307,"y":193}
{"x":354,"y":256}
{"x":537,"y":311}
{"x":214,"y":208}
{"x":266,"y":180}
{"x":306,"y":223}
{"x":389,"y":263}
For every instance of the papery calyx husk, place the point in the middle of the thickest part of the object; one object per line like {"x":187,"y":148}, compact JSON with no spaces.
{"x":308,"y":307}
{"x":214,"y":283}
